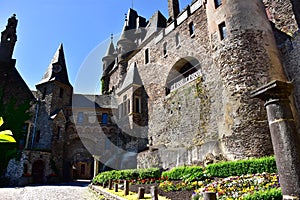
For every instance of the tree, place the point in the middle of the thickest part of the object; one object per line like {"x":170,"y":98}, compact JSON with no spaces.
{"x":15,"y":114}
{"x":6,"y":136}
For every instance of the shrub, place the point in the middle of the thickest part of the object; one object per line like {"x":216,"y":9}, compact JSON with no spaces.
{"x":128,"y":174}
{"x":242,"y":167}
{"x":271,"y":194}
{"x":188,"y":173}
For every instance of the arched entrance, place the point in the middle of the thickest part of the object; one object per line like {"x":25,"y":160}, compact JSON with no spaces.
{"x":38,"y":171}
{"x":184,"y":71}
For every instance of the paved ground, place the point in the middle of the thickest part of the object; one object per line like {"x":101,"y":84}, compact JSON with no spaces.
{"x":68,"y":191}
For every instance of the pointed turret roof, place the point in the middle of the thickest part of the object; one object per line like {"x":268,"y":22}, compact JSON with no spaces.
{"x":132,"y":78}
{"x":111,"y":49}
{"x":57,"y":69}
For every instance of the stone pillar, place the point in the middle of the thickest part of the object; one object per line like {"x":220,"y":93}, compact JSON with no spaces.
{"x":126,"y":188}
{"x":154,"y":192}
{"x":285,"y":139}
{"x":141,"y":193}
{"x":96,"y":165}
{"x":209,"y":196}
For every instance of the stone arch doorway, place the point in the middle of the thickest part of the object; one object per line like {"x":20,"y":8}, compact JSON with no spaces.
{"x":183,"y":71}
{"x":38,"y":171}
{"x":82,"y":166}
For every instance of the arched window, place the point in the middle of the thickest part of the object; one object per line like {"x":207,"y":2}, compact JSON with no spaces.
{"x":191,"y":29}
{"x":177,"y":39}
{"x":165,"y":51}
{"x":184,"y":71}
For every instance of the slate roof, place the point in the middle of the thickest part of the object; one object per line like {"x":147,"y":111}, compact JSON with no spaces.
{"x":132,"y":78}
{"x":93,"y":101}
{"x":50,"y":74}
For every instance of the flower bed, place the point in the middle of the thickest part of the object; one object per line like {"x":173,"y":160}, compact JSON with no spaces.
{"x":240,"y":186}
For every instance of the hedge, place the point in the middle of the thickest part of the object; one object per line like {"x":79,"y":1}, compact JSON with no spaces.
{"x":188,"y":173}
{"x":128,"y":174}
{"x":240,"y":167}
{"x":271,"y":194}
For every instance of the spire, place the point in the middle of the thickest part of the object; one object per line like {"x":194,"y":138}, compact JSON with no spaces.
{"x":111,"y":49}
{"x":57,"y":69}
{"x":8,"y":39}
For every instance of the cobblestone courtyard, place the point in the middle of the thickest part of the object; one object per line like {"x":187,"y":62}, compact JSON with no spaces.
{"x":69,"y":191}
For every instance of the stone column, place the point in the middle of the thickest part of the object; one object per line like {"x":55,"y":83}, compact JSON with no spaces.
{"x":96,"y":165}
{"x":285,"y":139}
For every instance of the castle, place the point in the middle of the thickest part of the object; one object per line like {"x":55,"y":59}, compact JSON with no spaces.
{"x":175,"y":91}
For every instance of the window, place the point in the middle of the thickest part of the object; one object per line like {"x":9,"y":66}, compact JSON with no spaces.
{"x":191,"y":29}
{"x":222,"y":30}
{"x":165,"y":49}
{"x":58,"y":132}
{"x":218,"y":3}
{"x":177,"y":39}
{"x":128,"y":106}
{"x":104,"y":118}
{"x":44,"y":93}
{"x":38,"y":136}
{"x":25,"y":168}
{"x":80,"y":117}
{"x":107,"y":144}
{"x":82,"y":169}
{"x":147,"y":56}
{"x":137,"y":104}
{"x":61,"y":92}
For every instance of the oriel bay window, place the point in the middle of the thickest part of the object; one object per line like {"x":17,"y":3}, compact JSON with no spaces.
{"x":137,"y":104}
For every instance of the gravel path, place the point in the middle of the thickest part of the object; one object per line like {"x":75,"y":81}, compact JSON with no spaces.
{"x":71,"y":191}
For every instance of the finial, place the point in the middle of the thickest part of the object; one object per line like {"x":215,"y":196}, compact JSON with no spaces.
{"x":111,"y":37}
{"x":126,"y":19}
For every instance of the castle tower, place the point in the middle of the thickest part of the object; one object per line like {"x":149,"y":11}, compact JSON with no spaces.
{"x":54,"y":92}
{"x":55,"y":86}
{"x":8,"y":39}
{"x":126,"y":44}
{"x":109,"y":57}
{"x":245,"y":51}
{"x":108,"y":63}
{"x":173,"y":8}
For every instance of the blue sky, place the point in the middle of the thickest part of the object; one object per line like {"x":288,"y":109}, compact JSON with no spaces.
{"x":84,"y":28}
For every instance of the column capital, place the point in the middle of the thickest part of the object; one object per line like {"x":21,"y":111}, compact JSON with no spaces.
{"x":273,"y":90}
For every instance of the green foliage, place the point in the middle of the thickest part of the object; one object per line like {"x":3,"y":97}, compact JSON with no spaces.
{"x":187,"y":173}
{"x":237,"y":168}
{"x":14,"y":114}
{"x":6,"y":136}
{"x":271,"y":194}
{"x":128,"y":174}
{"x":102,"y":86}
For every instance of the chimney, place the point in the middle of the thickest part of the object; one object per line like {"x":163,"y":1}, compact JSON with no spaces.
{"x":173,"y":7}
